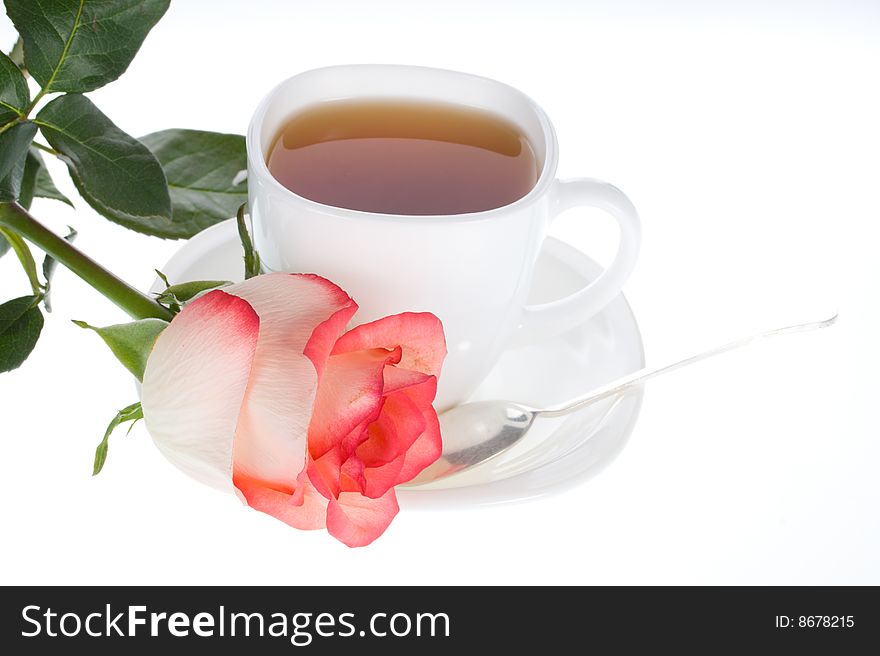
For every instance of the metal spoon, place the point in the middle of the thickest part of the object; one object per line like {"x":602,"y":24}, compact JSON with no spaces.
{"x":476,"y":432}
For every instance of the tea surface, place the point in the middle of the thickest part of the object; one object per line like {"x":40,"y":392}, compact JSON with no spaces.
{"x":403,"y":157}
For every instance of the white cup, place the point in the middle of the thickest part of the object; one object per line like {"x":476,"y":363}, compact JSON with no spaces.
{"x":471,"y":270}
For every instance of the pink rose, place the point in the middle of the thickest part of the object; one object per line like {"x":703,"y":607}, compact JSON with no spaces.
{"x":257,"y":388}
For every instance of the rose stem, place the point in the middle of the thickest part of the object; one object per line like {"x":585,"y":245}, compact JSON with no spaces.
{"x":137,"y":304}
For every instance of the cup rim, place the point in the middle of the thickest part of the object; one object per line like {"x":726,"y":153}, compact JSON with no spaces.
{"x":542,"y":184}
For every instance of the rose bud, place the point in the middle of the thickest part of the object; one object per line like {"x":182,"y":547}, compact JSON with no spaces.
{"x":257,"y":388}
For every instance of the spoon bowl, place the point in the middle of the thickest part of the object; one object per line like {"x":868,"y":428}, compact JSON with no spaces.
{"x":476,"y":432}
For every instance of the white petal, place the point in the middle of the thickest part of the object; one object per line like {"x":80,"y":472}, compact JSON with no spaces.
{"x":270,"y":444}
{"x":194,"y":384}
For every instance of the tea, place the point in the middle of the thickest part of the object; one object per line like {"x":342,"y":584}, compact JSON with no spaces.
{"x":403,"y":157}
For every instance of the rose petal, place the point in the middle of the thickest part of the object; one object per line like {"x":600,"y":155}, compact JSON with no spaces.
{"x":351,"y":476}
{"x":195,"y":382}
{"x":396,"y":428}
{"x":382,"y":478}
{"x":420,"y":388}
{"x":418,"y":443}
{"x":382,"y":472}
{"x":350,"y":393}
{"x":427,"y":448}
{"x":381,"y":445}
{"x":424,"y":451}
{"x":297,"y":302}
{"x":419,"y":334}
{"x":304,"y":509}
{"x":324,"y":337}
{"x":270,"y":443}
{"x":324,"y":472}
{"x":396,"y":378}
{"x":356,"y":520}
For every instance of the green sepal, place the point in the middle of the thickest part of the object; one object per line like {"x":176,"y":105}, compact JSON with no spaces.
{"x":132,"y":413}
{"x":131,"y":343}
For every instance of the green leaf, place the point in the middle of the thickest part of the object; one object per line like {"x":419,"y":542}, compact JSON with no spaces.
{"x":14,"y":95}
{"x":186,"y":291}
{"x":251,"y":256}
{"x":14,"y":143}
{"x":26,"y":258}
{"x":49,"y":266}
{"x":36,"y":181}
{"x":116,"y":174}
{"x":20,"y":325}
{"x":205,"y":173}
{"x":43,"y":186}
{"x":131,"y":342}
{"x":101,"y":452}
{"x":17,"y":184}
{"x":132,"y":413}
{"x":163,"y":278}
{"x":28,"y":179}
{"x":81,"y":45}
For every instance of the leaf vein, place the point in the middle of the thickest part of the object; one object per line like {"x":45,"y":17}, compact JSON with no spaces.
{"x":76,"y":22}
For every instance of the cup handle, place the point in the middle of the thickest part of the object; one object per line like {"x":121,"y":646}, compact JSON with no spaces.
{"x":548,"y":319}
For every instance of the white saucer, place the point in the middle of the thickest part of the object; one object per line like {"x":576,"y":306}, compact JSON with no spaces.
{"x":558,"y":453}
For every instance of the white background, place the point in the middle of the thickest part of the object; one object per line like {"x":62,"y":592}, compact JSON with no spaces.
{"x":747,"y":135}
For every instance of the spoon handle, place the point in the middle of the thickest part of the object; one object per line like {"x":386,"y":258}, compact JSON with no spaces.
{"x":638,"y":377}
